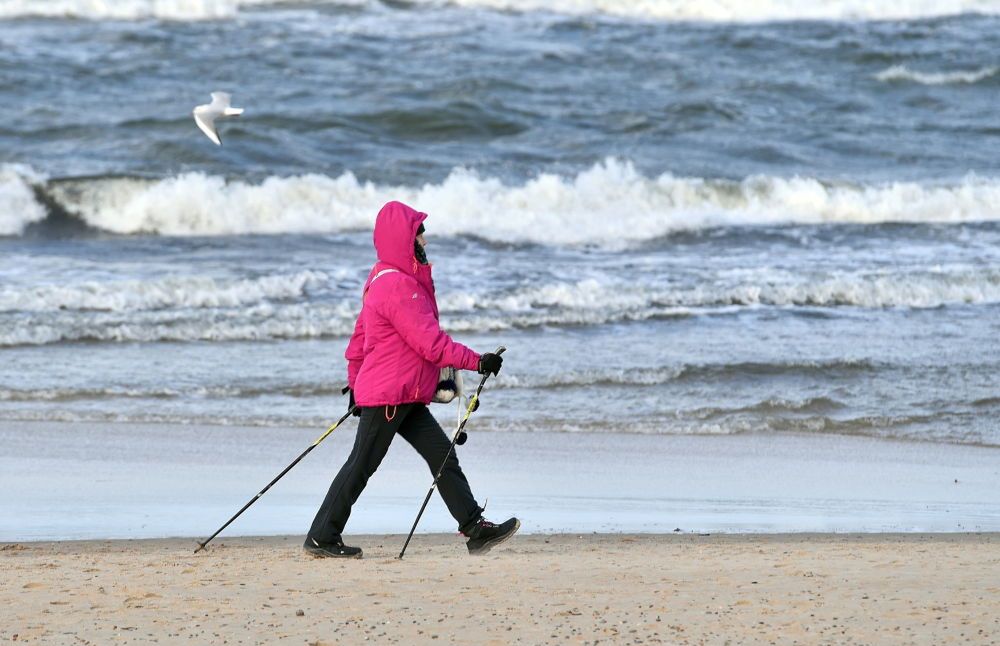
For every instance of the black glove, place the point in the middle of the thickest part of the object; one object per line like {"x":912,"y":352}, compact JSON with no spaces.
{"x":489,"y":364}
{"x":350,"y":403}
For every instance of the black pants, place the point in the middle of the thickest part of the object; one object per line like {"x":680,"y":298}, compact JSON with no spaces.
{"x":375,"y":432}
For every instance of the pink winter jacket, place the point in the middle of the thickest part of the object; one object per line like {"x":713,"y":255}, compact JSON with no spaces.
{"x":398,"y":347}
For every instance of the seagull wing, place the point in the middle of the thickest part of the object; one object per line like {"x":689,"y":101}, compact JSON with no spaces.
{"x":206,"y":121}
{"x":205,"y":115}
{"x":220,"y":101}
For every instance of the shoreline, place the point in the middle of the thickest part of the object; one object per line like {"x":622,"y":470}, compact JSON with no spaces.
{"x":96,"y":481}
{"x":384,"y":542}
{"x":627,"y":588}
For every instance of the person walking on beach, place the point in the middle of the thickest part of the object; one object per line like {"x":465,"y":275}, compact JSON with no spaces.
{"x":394,"y":360}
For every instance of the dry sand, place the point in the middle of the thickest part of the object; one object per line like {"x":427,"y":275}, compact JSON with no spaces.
{"x":622,"y":589}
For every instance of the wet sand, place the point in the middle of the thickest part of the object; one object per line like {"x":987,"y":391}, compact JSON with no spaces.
{"x":128,"y":481}
{"x":677,"y":589}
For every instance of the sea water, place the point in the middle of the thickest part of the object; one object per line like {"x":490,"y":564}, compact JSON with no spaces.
{"x":748,"y":218}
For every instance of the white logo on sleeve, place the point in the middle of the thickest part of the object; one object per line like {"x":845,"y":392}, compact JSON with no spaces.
{"x":414,"y":295}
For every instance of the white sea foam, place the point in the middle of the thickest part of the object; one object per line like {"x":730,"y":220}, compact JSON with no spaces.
{"x":665,"y":10}
{"x":255,"y":310}
{"x":163,"y":293}
{"x":899,"y":288}
{"x":925,"y":289}
{"x":199,"y":204}
{"x":903,"y":73}
{"x":746,"y":10}
{"x":597,"y":376}
{"x":265,"y":321}
{"x":180,"y":10}
{"x":609,"y":204}
{"x":18,"y":206}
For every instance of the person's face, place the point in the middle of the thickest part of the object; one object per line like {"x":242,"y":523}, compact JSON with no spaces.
{"x":421,"y":241}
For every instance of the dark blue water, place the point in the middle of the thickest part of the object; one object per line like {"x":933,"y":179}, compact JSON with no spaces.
{"x":403,"y":95}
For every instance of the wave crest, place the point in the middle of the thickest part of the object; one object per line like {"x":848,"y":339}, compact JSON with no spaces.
{"x":283,"y":307}
{"x":178,"y":10}
{"x":899,"y":288}
{"x":659,"y":10}
{"x":18,"y":204}
{"x":170,"y":292}
{"x":903,"y":73}
{"x":743,"y":10}
{"x":609,"y":204}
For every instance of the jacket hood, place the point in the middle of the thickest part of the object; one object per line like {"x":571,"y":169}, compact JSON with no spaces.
{"x":395,"y":230}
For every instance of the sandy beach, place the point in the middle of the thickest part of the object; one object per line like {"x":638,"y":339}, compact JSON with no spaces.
{"x":596,"y":588}
{"x":767,"y":552}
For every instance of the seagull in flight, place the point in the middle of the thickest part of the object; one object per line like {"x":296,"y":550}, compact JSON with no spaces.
{"x":219,"y":108}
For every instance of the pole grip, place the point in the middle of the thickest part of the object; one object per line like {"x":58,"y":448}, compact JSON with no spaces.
{"x":463,"y":437}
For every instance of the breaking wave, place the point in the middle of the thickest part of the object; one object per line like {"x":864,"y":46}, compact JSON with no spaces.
{"x":745,"y":11}
{"x":898,"y":288}
{"x":179,"y":10}
{"x":301,"y":306}
{"x":903,"y":73}
{"x":18,"y":204}
{"x":263,"y":321}
{"x":660,"y":10}
{"x":165,"y":293}
{"x":609,"y":204}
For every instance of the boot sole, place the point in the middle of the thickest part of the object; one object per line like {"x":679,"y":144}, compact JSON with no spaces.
{"x":486,"y":547}
{"x":323,"y":554}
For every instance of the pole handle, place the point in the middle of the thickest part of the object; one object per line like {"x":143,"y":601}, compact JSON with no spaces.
{"x":463,"y":437}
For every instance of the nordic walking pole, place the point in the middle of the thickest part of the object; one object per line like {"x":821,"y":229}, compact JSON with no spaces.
{"x":312,"y":446}
{"x":473,"y":405}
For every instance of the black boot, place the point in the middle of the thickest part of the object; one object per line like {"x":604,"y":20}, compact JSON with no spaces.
{"x":484,"y":535}
{"x":336,"y":549}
